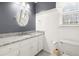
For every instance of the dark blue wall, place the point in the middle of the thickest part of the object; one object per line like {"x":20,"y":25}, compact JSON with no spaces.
{"x":7,"y":18}
{"x":42,"y":6}
{"x":8,"y":12}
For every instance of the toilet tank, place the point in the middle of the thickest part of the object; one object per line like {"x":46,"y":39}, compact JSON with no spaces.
{"x":69,"y":47}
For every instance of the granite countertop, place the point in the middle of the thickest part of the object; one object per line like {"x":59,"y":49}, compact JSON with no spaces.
{"x":9,"y":38}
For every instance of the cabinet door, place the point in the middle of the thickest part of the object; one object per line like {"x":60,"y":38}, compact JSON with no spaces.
{"x":25,"y":47}
{"x":29,"y":47}
{"x":40,"y":42}
{"x":34,"y":45}
{"x":9,"y":50}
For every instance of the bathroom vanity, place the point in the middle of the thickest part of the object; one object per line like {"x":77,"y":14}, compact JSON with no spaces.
{"x":21,"y":44}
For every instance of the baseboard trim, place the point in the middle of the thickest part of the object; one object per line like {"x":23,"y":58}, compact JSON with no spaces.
{"x":41,"y":51}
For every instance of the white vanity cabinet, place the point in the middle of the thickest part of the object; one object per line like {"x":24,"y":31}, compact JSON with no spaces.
{"x":26,"y":46}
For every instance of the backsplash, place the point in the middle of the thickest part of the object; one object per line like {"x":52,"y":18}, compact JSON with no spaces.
{"x":4,"y":35}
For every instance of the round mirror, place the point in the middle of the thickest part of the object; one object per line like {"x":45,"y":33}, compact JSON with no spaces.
{"x":22,"y":17}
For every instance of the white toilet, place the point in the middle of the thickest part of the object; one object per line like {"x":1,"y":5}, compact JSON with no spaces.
{"x":58,"y":45}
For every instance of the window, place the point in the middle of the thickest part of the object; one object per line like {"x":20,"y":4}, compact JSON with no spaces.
{"x":71,"y":13}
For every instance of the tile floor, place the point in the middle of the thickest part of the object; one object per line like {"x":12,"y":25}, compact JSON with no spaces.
{"x":43,"y":53}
